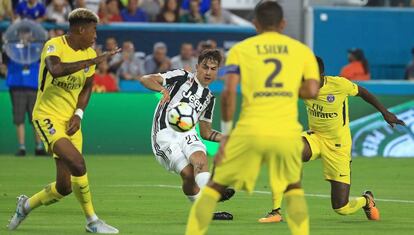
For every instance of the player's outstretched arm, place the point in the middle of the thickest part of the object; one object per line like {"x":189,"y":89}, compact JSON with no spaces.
{"x":389,"y":117}
{"x":154,"y":82}
{"x":58,"y":69}
{"x":208,"y":133}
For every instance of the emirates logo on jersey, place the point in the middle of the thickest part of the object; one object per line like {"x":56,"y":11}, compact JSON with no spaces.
{"x":68,"y":83}
{"x":330,"y":98}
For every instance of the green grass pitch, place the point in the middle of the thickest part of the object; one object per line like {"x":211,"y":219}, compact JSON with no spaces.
{"x":138,"y":196}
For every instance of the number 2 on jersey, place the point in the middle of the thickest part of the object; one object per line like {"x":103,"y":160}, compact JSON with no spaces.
{"x":278,"y":66}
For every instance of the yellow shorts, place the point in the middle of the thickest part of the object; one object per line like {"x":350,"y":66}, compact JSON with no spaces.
{"x":51,"y":129}
{"x":244,"y":156}
{"x":336,"y":157}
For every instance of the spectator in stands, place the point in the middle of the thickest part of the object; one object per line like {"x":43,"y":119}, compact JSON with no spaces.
{"x":93,"y":5}
{"x":131,"y":63}
{"x":358,"y":68}
{"x":79,"y":4}
{"x":103,"y":81}
{"x":31,"y":9}
{"x":132,"y":13}
{"x":114,"y":61}
{"x":22,"y":80}
{"x":185,"y":60}
{"x":193,"y":15}
{"x":170,"y":12}
{"x":409,"y":71}
{"x":55,"y":32}
{"x":157,"y":62}
{"x":6,"y":11}
{"x":204,"y":5}
{"x":111,"y":12}
{"x":58,"y":11}
{"x":217,"y":15}
{"x":152,"y":8}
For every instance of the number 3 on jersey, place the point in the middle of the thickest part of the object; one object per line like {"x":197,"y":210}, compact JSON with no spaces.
{"x":277,"y":68}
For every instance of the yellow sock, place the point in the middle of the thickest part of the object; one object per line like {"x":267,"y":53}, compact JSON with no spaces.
{"x":47,"y":196}
{"x":80,"y":187}
{"x":297,"y":212}
{"x":277,"y":200}
{"x":201,"y":213}
{"x":352,"y":206}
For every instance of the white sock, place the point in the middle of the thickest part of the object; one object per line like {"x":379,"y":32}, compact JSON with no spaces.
{"x":192,"y":198}
{"x":202,"y":179}
{"x":92,"y":218}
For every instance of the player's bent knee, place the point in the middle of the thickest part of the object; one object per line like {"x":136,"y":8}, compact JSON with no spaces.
{"x":64,"y":191}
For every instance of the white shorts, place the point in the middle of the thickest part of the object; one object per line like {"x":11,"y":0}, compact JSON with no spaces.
{"x":173,"y":149}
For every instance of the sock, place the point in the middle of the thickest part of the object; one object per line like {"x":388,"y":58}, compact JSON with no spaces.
{"x":39,"y":146}
{"x":192,"y":198}
{"x":202,"y":179}
{"x":352,"y":206}
{"x":297,"y":212}
{"x":22,"y":146}
{"x":47,"y":196}
{"x":277,"y":200}
{"x":201,"y":213}
{"x":80,"y":187}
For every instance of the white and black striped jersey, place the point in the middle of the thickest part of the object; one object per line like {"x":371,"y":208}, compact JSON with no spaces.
{"x":184,"y":87}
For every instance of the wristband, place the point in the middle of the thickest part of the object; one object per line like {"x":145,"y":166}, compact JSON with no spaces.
{"x":226,"y":127}
{"x":79,"y":113}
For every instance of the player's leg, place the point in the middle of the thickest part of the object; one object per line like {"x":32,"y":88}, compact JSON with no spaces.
{"x":275,"y":215}
{"x":19,"y":109}
{"x":285,"y":167}
{"x":74,"y":161}
{"x":337,"y":170}
{"x":189,"y":186}
{"x":198,"y":160}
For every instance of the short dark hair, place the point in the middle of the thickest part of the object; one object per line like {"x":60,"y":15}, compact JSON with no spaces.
{"x":321,"y":65}
{"x":210,"y":54}
{"x":82,"y":16}
{"x":268,"y":13}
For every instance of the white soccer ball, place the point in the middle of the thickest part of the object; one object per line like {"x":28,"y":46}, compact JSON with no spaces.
{"x":182,"y":117}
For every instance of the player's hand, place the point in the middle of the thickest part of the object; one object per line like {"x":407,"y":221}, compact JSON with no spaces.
{"x":220,"y":154}
{"x":165,"y":96}
{"x":104,"y":56}
{"x":74,"y":125}
{"x":392,"y":120}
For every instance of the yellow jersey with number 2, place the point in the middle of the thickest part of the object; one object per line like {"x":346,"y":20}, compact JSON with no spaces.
{"x":271,"y":68}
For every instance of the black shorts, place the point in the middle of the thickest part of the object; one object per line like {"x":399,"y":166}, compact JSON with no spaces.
{"x":23,"y":101}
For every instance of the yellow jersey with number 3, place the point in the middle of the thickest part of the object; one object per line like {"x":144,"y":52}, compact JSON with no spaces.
{"x":58,"y":97}
{"x":271,"y":68}
{"x":328,"y":113}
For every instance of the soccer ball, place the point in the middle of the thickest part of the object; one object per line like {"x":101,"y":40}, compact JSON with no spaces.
{"x":182,"y":117}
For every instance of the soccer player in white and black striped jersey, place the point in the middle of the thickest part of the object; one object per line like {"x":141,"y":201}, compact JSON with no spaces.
{"x":184,"y":153}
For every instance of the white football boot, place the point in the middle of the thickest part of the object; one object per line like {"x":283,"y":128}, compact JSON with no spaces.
{"x":99,"y":226}
{"x":19,"y":215}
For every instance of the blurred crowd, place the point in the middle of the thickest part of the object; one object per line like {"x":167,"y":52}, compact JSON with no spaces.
{"x":109,"y":11}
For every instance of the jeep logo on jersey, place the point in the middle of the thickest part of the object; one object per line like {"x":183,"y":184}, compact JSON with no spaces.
{"x":194,"y":101}
{"x":67,"y":83}
{"x":330,"y":98}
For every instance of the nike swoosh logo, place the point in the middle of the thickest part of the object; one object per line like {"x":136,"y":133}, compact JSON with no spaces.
{"x":342,"y":175}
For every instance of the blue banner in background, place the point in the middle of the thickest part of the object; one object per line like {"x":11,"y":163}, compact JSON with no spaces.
{"x":386,"y":35}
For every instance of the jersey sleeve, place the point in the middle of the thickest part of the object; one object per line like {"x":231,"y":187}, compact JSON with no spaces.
{"x":311,"y":69}
{"x":207,"y":114}
{"x":173,"y":76}
{"x":348,"y":87}
{"x":52,"y":48}
{"x":232,"y":61}
{"x":89,"y":72}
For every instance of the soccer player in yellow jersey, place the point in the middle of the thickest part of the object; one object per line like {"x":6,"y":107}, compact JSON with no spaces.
{"x":65,"y":84}
{"x":329,"y":138}
{"x":269,"y":68}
